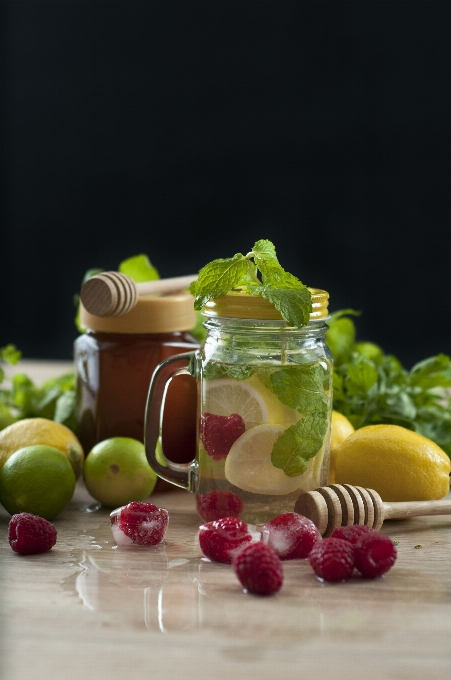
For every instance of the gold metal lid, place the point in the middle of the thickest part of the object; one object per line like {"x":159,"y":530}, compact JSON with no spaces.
{"x":152,"y":314}
{"x":241,"y":305}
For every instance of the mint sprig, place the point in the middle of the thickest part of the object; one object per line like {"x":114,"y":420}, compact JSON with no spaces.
{"x":284,"y":290}
{"x":302,"y":388}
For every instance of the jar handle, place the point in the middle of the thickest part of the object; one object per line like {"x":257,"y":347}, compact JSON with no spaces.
{"x":180,"y":474}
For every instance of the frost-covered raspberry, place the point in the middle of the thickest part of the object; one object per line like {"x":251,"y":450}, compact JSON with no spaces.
{"x":218,"y":433}
{"x":291,"y":535}
{"x":221,"y":539}
{"x":375,"y":554}
{"x":258,"y":569}
{"x":29,"y":534}
{"x":332,"y":559}
{"x":217,"y":504}
{"x":139,"y":524}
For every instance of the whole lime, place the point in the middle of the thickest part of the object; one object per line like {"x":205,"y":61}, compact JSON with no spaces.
{"x":38,"y":479}
{"x":116,"y":472}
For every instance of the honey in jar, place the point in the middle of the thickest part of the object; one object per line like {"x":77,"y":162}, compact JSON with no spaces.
{"x":114,"y":362}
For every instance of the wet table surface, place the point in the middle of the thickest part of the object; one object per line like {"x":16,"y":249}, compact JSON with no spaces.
{"x":89,"y":608}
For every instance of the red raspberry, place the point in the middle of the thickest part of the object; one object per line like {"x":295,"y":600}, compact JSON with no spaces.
{"x":29,"y":534}
{"x":291,"y":535}
{"x":218,"y":433}
{"x":332,"y":559}
{"x":374,"y":554}
{"x":218,"y":504}
{"x":259,"y":569}
{"x":353,"y":532}
{"x":139,"y":523}
{"x":221,"y":539}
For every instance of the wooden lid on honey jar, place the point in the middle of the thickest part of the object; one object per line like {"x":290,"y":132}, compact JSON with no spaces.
{"x":151,"y":314}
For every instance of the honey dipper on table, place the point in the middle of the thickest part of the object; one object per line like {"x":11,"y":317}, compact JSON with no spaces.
{"x":113,"y":293}
{"x":330,"y":507}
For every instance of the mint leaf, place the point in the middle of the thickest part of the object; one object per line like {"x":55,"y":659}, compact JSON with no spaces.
{"x":361,"y":376}
{"x":217,"y":278}
{"x":10,"y":354}
{"x":65,"y":410}
{"x":299,"y":443}
{"x":139,"y":268}
{"x":286,"y":292}
{"x":265,"y":258}
{"x":271,"y":270}
{"x":294,"y":304}
{"x":301,"y":387}
{"x":236,"y":371}
{"x":432,"y":372}
{"x":340,"y":337}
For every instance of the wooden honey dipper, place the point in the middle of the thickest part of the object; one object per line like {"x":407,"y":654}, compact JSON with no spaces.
{"x":338,"y":505}
{"x":113,"y":293}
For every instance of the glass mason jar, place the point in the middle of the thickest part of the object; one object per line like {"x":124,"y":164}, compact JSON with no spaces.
{"x":264,"y":409}
{"x":114,"y":362}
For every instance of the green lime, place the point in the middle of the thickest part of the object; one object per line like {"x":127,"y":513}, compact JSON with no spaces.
{"x":38,"y":479}
{"x":116,"y":472}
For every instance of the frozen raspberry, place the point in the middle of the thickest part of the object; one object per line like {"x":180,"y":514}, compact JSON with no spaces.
{"x":291,"y":535}
{"x":217,"y":504}
{"x":221,"y":539}
{"x":139,"y":524}
{"x":218,"y":433}
{"x":353,"y":532}
{"x":332,"y":559}
{"x":259,"y":569}
{"x":29,"y":534}
{"x":375,"y":554}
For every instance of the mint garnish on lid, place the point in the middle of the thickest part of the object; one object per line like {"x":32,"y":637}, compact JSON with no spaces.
{"x":286,"y":292}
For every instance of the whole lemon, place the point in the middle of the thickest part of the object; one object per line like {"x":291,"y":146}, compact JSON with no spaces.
{"x":37,"y":479}
{"x":340,"y":429}
{"x":116,"y":472}
{"x":31,"y":431}
{"x":399,"y":464}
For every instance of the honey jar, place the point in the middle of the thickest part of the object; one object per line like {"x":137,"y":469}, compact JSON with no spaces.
{"x":114,"y":362}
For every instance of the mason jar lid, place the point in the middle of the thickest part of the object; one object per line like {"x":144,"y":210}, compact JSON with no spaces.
{"x":240,"y":305}
{"x":151,"y":314}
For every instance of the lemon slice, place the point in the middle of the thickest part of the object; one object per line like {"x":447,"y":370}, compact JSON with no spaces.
{"x":224,"y":397}
{"x":248,"y":464}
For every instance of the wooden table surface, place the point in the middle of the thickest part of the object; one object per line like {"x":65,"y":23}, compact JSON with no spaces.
{"x":91,"y":609}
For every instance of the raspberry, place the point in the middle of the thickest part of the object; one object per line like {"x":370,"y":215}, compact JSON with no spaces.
{"x":353,"y":532}
{"x":259,"y":569}
{"x":375,"y":554}
{"x":221,"y":539}
{"x":291,"y":535}
{"x":217,"y":504}
{"x":139,"y":524}
{"x":29,"y":534}
{"x":332,"y":559}
{"x":218,"y":433}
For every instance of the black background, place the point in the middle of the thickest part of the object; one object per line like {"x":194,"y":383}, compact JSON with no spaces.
{"x":188,"y":130}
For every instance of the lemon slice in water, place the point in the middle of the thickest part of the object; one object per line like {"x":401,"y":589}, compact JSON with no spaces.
{"x":226,"y":396}
{"x":248,"y":464}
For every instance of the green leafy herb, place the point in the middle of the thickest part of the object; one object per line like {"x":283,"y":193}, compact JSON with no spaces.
{"x":139,"y":268}
{"x":302,"y":388}
{"x":372,"y":387}
{"x":214,"y":370}
{"x":286,"y":292}
{"x":299,"y":443}
{"x":21,"y":398}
